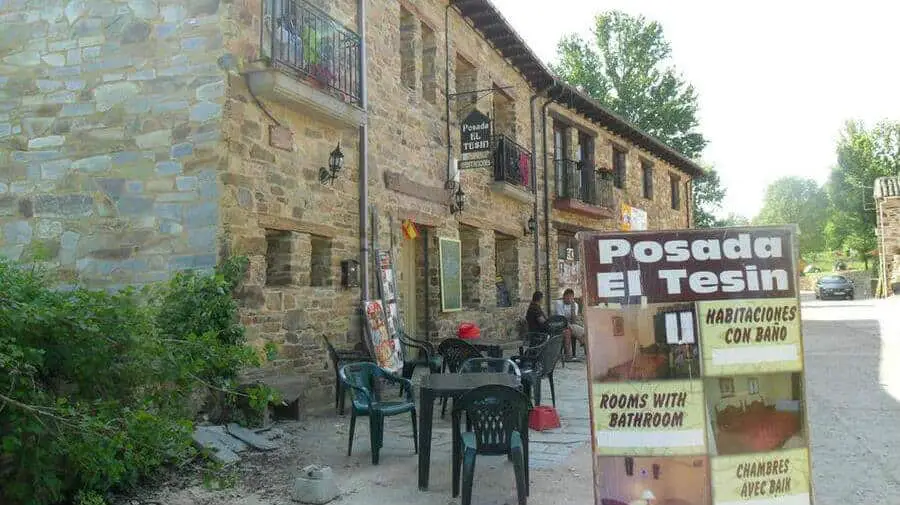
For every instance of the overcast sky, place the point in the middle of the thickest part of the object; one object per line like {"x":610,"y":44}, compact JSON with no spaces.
{"x":776,"y":79}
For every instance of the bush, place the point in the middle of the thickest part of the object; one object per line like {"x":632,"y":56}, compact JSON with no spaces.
{"x":94,"y":385}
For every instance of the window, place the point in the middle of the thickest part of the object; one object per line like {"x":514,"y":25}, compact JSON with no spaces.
{"x":675,"y":185}
{"x":471,"y":266}
{"x":753,"y":385}
{"x":726,"y":387}
{"x":680,"y":327}
{"x":320,"y":261}
{"x":506,"y":252}
{"x":647,"y":169}
{"x":466,"y":80}
{"x":407,"y":49}
{"x":279,"y":252}
{"x":620,"y":168}
{"x":504,"y":113}
{"x":429,"y":56}
{"x":567,"y":247}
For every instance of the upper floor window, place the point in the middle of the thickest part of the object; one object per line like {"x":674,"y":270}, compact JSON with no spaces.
{"x":407,"y":49}
{"x":647,"y":169}
{"x":466,"y":80}
{"x":429,"y":64}
{"x":619,"y":167}
{"x":675,"y":184}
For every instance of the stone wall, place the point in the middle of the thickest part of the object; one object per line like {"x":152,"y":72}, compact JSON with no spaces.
{"x":110,"y":116}
{"x":889,"y":240}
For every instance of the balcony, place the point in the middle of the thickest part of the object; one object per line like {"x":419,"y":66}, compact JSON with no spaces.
{"x":583,"y":189}
{"x":513,"y":166}
{"x":315,"y":62}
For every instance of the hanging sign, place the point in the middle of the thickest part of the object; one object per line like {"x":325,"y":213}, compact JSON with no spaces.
{"x":698,"y":377}
{"x":475,"y":133}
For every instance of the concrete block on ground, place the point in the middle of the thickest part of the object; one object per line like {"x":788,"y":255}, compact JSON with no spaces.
{"x":315,"y":485}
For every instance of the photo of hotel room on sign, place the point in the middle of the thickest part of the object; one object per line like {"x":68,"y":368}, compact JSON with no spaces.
{"x":651,"y":481}
{"x":657,"y":341}
{"x":755,"y":413}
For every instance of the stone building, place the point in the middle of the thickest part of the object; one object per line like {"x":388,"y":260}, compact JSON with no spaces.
{"x":142,"y":137}
{"x":887,"y":208}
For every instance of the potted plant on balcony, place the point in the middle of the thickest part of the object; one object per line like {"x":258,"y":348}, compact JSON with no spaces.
{"x":317,"y":56}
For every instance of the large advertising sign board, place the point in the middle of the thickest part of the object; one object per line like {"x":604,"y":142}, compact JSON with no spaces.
{"x":695,"y":365}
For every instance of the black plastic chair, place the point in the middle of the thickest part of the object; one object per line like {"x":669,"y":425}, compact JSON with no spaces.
{"x":340,"y":358}
{"x":543,"y":366}
{"x":557,"y":325}
{"x":489,"y":365}
{"x":455,"y":351}
{"x":427,"y":355}
{"x":361,"y":379}
{"x":499,"y":420}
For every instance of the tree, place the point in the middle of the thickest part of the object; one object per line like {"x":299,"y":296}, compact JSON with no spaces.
{"x":795,"y":200}
{"x":733,"y":219}
{"x":863,"y":155}
{"x":707,"y":198}
{"x":626,"y":69}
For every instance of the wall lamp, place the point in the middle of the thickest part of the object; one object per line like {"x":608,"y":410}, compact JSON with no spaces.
{"x":459,"y":201}
{"x":531,"y":226}
{"x":335,"y":163}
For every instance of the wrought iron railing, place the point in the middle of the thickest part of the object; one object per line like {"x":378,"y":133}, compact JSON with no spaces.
{"x":512,"y":163}
{"x":579,"y":181}
{"x":304,"y":41}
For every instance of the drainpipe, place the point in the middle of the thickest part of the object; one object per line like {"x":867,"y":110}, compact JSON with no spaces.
{"x":546,"y":200}
{"x":363,"y":157}
{"x":447,"y":87}
{"x":534,"y":212}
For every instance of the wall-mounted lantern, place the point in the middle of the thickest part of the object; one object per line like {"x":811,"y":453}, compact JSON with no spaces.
{"x":530,"y":226}
{"x":459,"y":201}
{"x":335,"y":164}
{"x":350,"y":273}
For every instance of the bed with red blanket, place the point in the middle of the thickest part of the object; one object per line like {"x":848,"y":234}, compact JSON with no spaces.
{"x":644,"y":367}
{"x":754,"y":428}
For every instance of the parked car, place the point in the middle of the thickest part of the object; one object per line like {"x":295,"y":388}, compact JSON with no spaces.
{"x":834,"y":286}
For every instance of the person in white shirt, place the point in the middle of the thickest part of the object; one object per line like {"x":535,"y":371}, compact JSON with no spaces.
{"x":568,"y":308}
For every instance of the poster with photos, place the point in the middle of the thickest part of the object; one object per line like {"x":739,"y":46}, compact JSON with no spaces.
{"x":695,"y":366}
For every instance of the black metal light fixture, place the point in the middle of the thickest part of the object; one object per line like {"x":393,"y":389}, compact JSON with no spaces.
{"x":335,"y":164}
{"x":459,"y":201}
{"x":531,"y":226}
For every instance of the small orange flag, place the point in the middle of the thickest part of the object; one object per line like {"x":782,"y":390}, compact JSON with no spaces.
{"x":409,"y":229}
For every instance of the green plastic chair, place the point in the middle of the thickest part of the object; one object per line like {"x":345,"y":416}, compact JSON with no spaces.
{"x":499,"y":421}
{"x":361,"y":379}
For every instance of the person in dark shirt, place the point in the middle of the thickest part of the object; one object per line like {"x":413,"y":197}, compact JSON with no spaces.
{"x":535,"y":317}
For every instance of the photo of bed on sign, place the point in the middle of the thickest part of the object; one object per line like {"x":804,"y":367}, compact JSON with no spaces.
{"x":755,"y":413}
{"x":651,"y":342}
{"x":651,"y":481}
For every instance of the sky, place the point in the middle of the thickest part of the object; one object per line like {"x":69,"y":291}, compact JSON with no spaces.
{"x":776,"y":80}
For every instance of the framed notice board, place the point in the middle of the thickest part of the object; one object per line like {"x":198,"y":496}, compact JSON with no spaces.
{"x":703,"y":380}
{"x":451,"y":274}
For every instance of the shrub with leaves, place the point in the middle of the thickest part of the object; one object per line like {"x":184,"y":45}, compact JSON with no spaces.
{"x":93,"y":385}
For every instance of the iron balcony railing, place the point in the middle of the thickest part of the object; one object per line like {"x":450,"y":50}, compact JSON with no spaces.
{"x":304,"y":41}
{"x":512,"y":163}
{"x":579,"y":181}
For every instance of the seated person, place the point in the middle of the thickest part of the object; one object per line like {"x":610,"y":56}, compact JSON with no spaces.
{"x":568,"y":308}
{"x":535,"y":317}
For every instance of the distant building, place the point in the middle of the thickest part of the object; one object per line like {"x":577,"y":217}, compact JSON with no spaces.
{"x":887,"y":207}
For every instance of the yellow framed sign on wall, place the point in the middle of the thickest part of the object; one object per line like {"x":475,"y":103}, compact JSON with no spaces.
{"x":451,"y":274}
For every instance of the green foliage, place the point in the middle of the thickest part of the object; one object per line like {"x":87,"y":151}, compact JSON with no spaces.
{"x":863,"y":156}
{"x":733,"y":219}
{"x":626,"y":67}
{"x":794,"y":200}
{"x":93,"y":385}
{"x":707,"y":198}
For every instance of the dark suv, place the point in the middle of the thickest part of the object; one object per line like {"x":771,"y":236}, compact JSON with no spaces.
{"x":834,"y":286}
